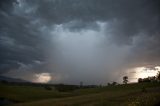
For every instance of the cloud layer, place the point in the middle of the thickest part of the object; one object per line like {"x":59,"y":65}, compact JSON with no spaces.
{"x":94,"y":41}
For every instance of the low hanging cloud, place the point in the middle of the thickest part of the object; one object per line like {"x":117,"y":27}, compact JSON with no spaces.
{"x":94,"y":41}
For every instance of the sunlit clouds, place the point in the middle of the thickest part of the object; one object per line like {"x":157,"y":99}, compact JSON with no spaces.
{"x":142,"y":72}
{"x":42,"y":78}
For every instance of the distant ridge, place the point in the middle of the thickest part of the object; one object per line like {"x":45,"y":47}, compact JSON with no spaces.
{"x":9,"y":79}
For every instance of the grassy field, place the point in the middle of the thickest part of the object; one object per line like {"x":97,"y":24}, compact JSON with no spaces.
{"x":142,"y":94}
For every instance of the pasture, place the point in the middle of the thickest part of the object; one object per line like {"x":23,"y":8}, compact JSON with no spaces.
{"x":139,"y":94}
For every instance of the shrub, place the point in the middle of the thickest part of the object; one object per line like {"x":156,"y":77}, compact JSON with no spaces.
{"x":65,"y":88}
{"x":48,"y":88}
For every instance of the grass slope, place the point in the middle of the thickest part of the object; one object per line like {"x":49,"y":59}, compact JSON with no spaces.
{"x":120,"y":95}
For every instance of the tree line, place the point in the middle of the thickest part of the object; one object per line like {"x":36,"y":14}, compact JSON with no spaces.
{"x":148,"y":79}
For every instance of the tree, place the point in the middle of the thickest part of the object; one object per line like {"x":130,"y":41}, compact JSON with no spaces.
{"x":48,"y":87}
{"x":158,"y":75}
{"x":108,"y":84}
{"x":114,"y":83}
{"x":140,"y":80}
{"x":125,"y":79}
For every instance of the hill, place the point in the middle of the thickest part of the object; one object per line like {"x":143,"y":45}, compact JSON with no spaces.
{"x":9,"y":79}
{"x":139,"y":94}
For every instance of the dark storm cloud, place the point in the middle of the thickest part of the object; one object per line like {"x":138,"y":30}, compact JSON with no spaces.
{"x":19,"y":42}
{"x":143,"y":14}
{"x":127,"y":17}
{"x":6,"y":5}
{"x":32,"y":34}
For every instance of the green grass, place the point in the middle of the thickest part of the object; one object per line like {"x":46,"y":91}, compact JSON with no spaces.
{"x":120,"y":95}
{"x":28,"y":93}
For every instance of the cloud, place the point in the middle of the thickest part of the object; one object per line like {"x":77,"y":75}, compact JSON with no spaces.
{"x":96,"y":40}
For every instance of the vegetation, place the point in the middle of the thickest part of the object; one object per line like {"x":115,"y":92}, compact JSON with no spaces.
{"x":125,"y":79}
{"x":158,"y":76}
{"x":65,"y":88}
{"x":150,"y":79}
{"x":123,"y":95}
{"x":144,"y":93}
{"x":48,"y":87}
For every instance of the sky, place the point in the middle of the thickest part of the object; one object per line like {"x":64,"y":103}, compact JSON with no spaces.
{"x":69,"y":41}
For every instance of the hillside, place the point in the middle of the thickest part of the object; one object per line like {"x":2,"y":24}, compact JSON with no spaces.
{"x":9,"y":79}
{"x":121,"y":95}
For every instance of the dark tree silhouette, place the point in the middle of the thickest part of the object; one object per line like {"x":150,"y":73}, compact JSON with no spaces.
{"x":125,"y":79}
{"x":114,"y":83}
{"x":108,"y":84}
{"x":158,"y":75}
{"x":140,"y":80}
